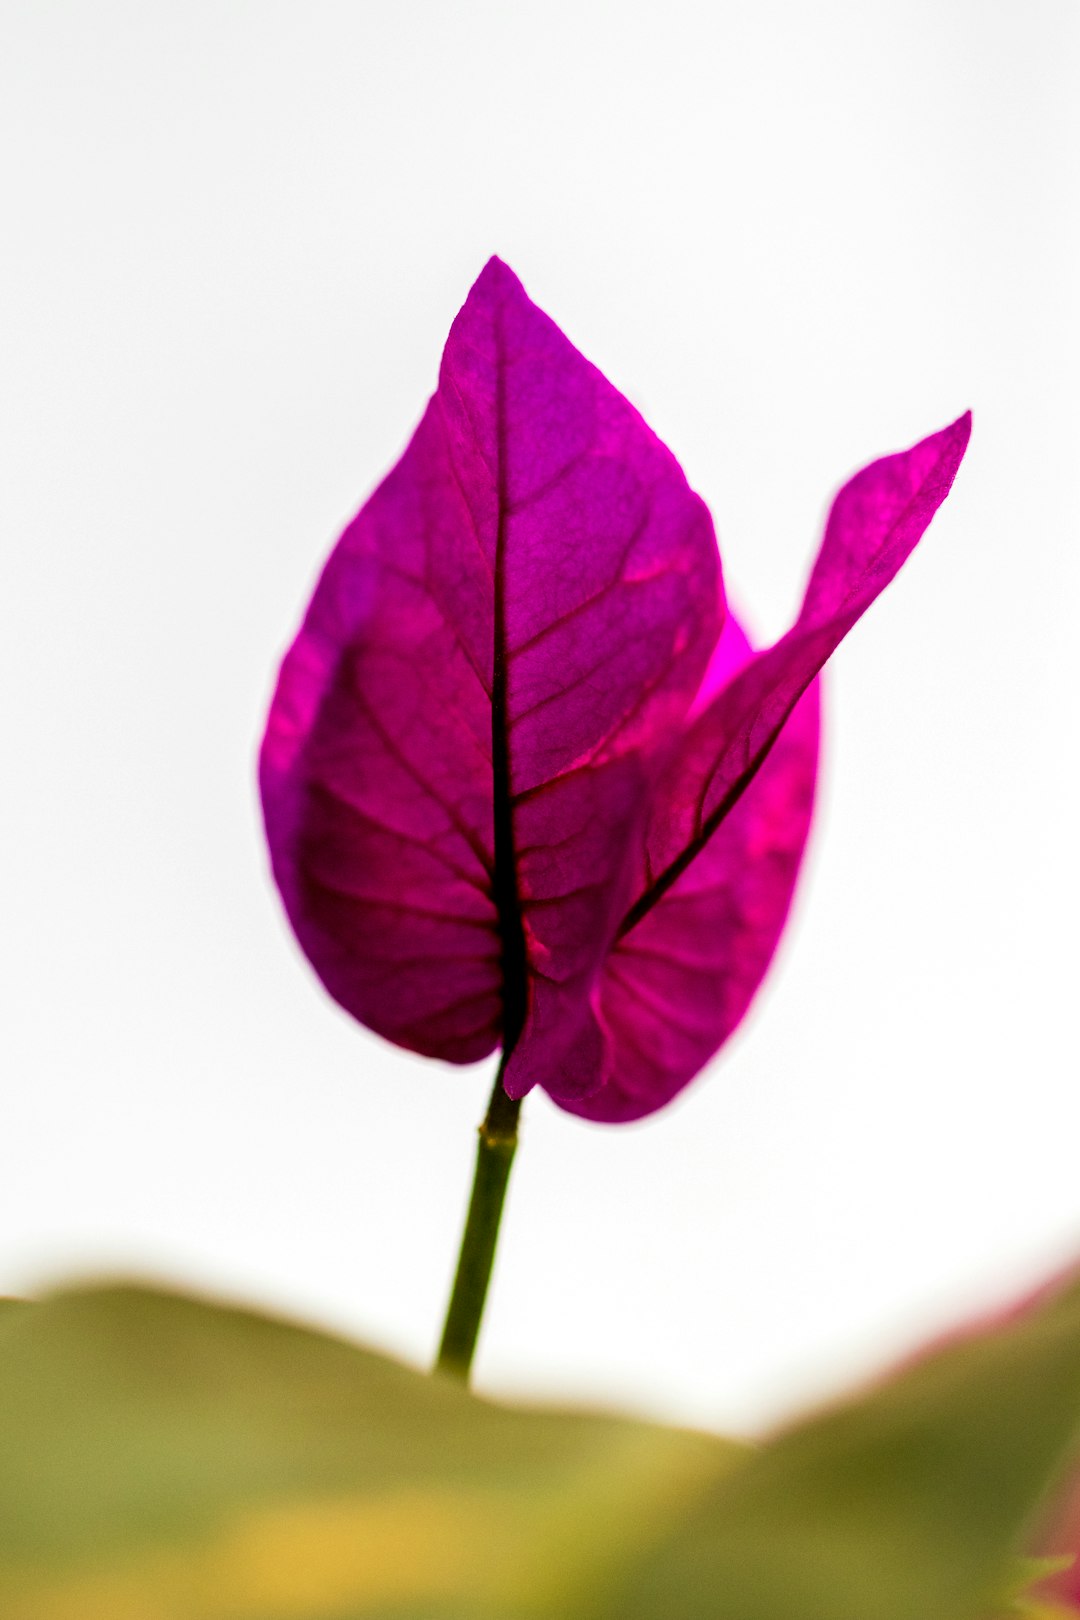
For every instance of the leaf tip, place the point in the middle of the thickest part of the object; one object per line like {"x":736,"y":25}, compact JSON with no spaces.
{"x":953,"y":441}
{"x":497,"y":276}
{"x":961,"y":430}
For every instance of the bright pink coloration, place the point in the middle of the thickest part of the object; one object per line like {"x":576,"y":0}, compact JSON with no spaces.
{"x":675,"y":987}
{"x":730,"y":814}
{"x":527,"y":601}
{"x":506,"y":798}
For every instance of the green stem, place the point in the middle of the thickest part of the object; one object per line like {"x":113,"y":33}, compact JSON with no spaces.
{"x":494,"y":1156}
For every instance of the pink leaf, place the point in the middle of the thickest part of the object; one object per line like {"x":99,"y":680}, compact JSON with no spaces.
{"x":875,"y":523}
{"x":675,"y":987}
{"x":465,"y":728}
{"x":729,"y":819}
{"x":506,"y":799}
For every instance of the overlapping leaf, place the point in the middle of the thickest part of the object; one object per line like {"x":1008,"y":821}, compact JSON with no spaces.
{"x":503,"y":804}
{"x":729,"y":816}
{"x":675,"y":986}
{"x":163,"y":1459}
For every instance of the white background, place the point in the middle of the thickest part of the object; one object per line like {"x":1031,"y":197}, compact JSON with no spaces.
{"x":798,"y":236}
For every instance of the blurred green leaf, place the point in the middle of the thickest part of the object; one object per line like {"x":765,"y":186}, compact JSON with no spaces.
{"x":905,"y":1504}
{"x":162,"y":1458}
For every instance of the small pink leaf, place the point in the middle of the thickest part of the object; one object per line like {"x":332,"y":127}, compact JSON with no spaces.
{"x":875,"y":523}
{"x":675,"y":987}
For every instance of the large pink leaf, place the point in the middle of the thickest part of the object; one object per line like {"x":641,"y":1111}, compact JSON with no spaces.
{"x":723,"y":843}
{"x":463,"y":733}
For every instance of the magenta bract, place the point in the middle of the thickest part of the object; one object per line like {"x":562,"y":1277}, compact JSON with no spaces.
{"x":523,"y":780}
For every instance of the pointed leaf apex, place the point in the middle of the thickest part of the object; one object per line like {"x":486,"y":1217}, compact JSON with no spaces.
{"x":497,"y":275}
{"x":960,"y":431}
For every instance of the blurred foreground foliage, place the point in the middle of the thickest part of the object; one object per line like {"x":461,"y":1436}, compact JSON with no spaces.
{"x":164,"y":1458}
